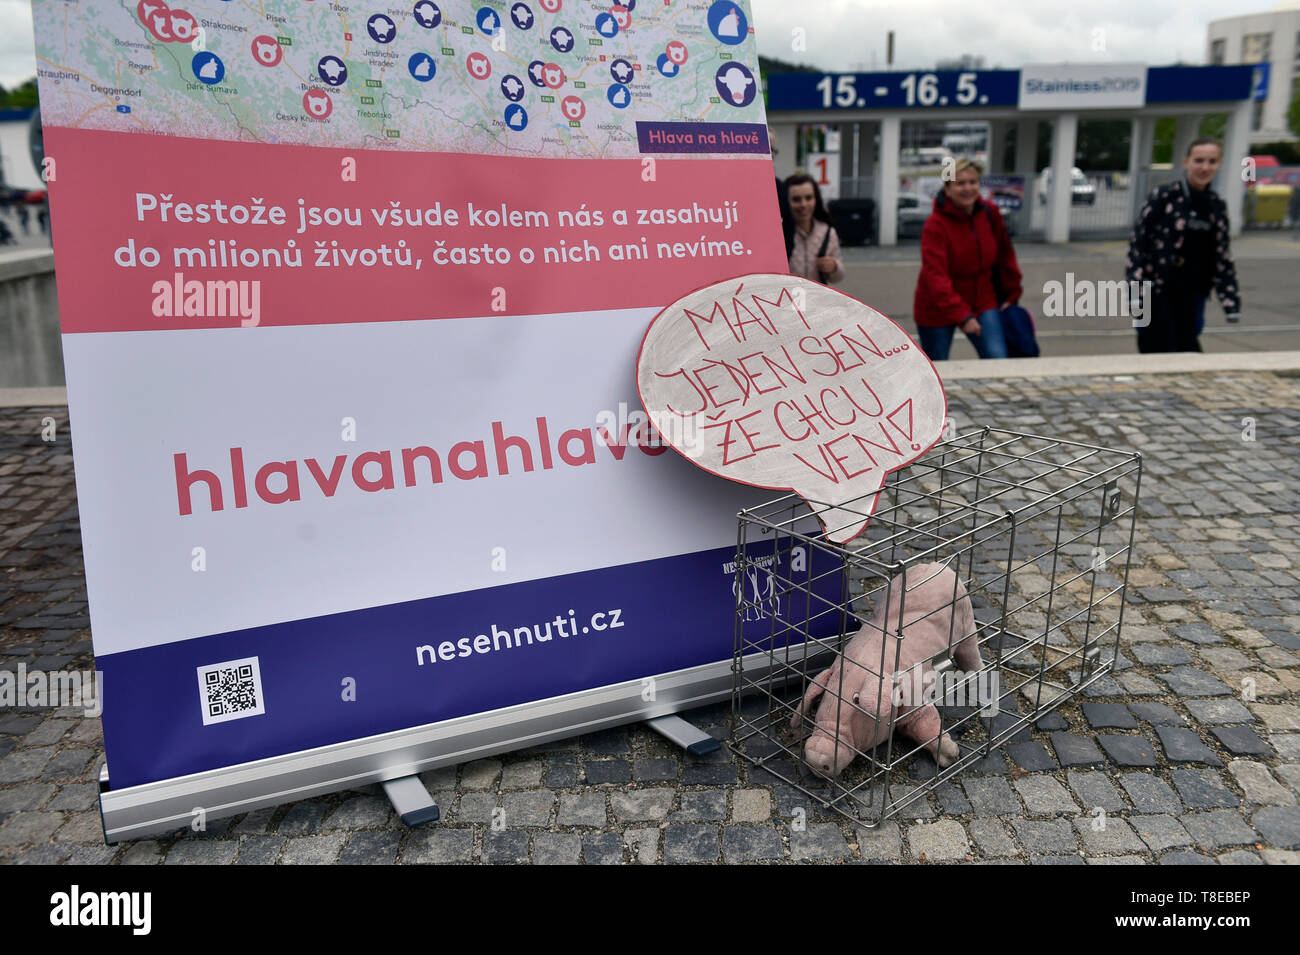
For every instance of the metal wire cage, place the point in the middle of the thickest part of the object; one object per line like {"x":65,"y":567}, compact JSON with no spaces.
{"x":1037,"y":534}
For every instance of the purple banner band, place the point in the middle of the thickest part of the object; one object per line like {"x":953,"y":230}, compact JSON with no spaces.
{"x":702,"y":138}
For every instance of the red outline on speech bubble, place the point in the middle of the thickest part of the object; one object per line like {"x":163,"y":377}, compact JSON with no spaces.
{"x":742,"y":279}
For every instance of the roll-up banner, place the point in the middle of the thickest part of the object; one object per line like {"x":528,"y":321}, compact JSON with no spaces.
{"x":351,"y":298}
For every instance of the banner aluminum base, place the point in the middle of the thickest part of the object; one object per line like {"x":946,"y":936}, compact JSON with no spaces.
{"x":169,"y":805}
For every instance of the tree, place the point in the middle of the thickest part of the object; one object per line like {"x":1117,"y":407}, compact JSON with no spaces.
{"x":21,"y":97}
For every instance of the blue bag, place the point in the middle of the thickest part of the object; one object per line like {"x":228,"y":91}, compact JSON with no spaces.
{"x":1018,"y":330}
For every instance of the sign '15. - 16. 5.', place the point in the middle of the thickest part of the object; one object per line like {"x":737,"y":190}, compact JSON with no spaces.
{"x":941,"y":88}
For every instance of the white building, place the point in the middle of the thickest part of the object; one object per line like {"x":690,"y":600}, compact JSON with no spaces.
{"x":1273,"y":38}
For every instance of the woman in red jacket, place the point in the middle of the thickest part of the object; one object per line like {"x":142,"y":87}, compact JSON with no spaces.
{"x":964,"y":241}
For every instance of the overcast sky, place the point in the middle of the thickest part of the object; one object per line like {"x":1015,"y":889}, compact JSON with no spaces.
{"x":847,"y":34}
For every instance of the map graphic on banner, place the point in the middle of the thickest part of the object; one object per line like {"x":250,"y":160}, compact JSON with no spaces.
{"x":351,"y":298}
{"x":539,"y":78}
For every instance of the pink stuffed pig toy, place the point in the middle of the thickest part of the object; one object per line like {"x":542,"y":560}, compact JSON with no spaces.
{"x":859,"y":712}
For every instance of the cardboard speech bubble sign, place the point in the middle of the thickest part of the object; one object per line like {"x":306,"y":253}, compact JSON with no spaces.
{"x":779,"y":382}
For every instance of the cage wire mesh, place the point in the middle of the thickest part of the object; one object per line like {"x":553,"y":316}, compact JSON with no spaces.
{"x":1037,"y":533}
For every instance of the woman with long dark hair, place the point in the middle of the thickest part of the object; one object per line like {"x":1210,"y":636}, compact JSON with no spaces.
{"x":815,"y":253}
{"x":1180,"y":246}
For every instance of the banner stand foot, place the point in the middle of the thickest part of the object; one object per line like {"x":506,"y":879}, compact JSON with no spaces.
{"x":690,"y":738}
{"x":411,"y":800}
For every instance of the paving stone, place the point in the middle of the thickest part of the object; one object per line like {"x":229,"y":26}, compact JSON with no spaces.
{"x":49,"y":731}
{"x":313,"y":850}
{"x":75,"y":796}
{"x":1202,"y":789}
{"x":1241,"y":741}
{"x":1279,"y":825}
{"x":1051,"y":836}
{"x":1161,"y":832}
{"x":638,"y":804}
{"x":360,"y":812}
{"x":1108,"y":716}
{"x":200,"y":851}
{"x":256,"y":822}
{"x":1103,"y":687}
{"x":1289,"y":773}
{"x":1198,"y":633}
{"x":610,"y":742}
{"x":602,"y":848}
{"x":992,"y":837}
{"x":884,"y":843}
{"x":1108,"y":835}
{"x":952,"y":802}
{"x":1044,"y":796}
{"x":938,"y":841}
{"x":1128,"y":750}
{"x":29,"y":828}
{"x":709,"y":774}
{"x":819,"y":842}
{"x":27,"y":796}
{"x":144,"y":852}
{"x":1278,"y":717}
{"x":691,"y":843}
{"x":475,"y":807}
{"x":480,"y":774}
{"x":557,"y":848}
{"x":530,"y":808}
{"x":706,"y":806}
{"x":1150,"y":794}
{"x":1095,"y":790}
{"x":1219,"y":712}
{"x":1240,"y":857}
{"x":562,"y":773}
{"x":1154,"y":654}
{"x":505,"y":847}
{"x":1056,"y":860}
{"x":1259,"y":785}
{"x":1135,"y":684}
{"x":643,"y":845}
{"x":751,"y":805}
{"x":439,"y":845}
{"x":1158,"y":714}
{"x":302,"y":818}
{"x":1075,"y":750}
{"x":371,"y":848}
{"x":1223,"y":827}
{"x":991,"y":796}
{"x":44,"y":855}
{"x":751,"y":843}
{"x":1279,"y":857}
{"x":81,"y":827}
{"x":1116,"y":860}
{"x":583,"y":809}
{"x":24,"y":764}
{"x":1185,"y":857}
{"x":1031,"y":756}
{"x":1052,"y":722}
{"x":1185,"y":746}
{"x":601,"y":771}
{"x":1188,"y":681}
{"x":522,"y":775}
{"x":655,"y":770}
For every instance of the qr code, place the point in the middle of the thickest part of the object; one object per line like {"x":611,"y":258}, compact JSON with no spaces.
{"x":231,"y":690}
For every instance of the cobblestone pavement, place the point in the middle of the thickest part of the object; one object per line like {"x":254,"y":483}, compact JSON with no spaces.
{"x":1186,"y":770}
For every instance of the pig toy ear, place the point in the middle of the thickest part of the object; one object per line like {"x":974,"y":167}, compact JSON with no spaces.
{"x":815,"y":689}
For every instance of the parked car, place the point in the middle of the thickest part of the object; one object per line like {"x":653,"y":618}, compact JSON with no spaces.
{"x":1083,"y":192}
{"x":913,"y":210}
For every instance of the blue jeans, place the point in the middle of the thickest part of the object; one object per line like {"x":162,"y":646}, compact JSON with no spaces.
{"x":989,"y":343}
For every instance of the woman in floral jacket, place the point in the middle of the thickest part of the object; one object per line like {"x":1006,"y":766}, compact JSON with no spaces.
{"x":1180,"y":246}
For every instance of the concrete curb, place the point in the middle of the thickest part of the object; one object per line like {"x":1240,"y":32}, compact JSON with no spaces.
{"x":1105,"y":365}
{"x":1007,"y":368}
